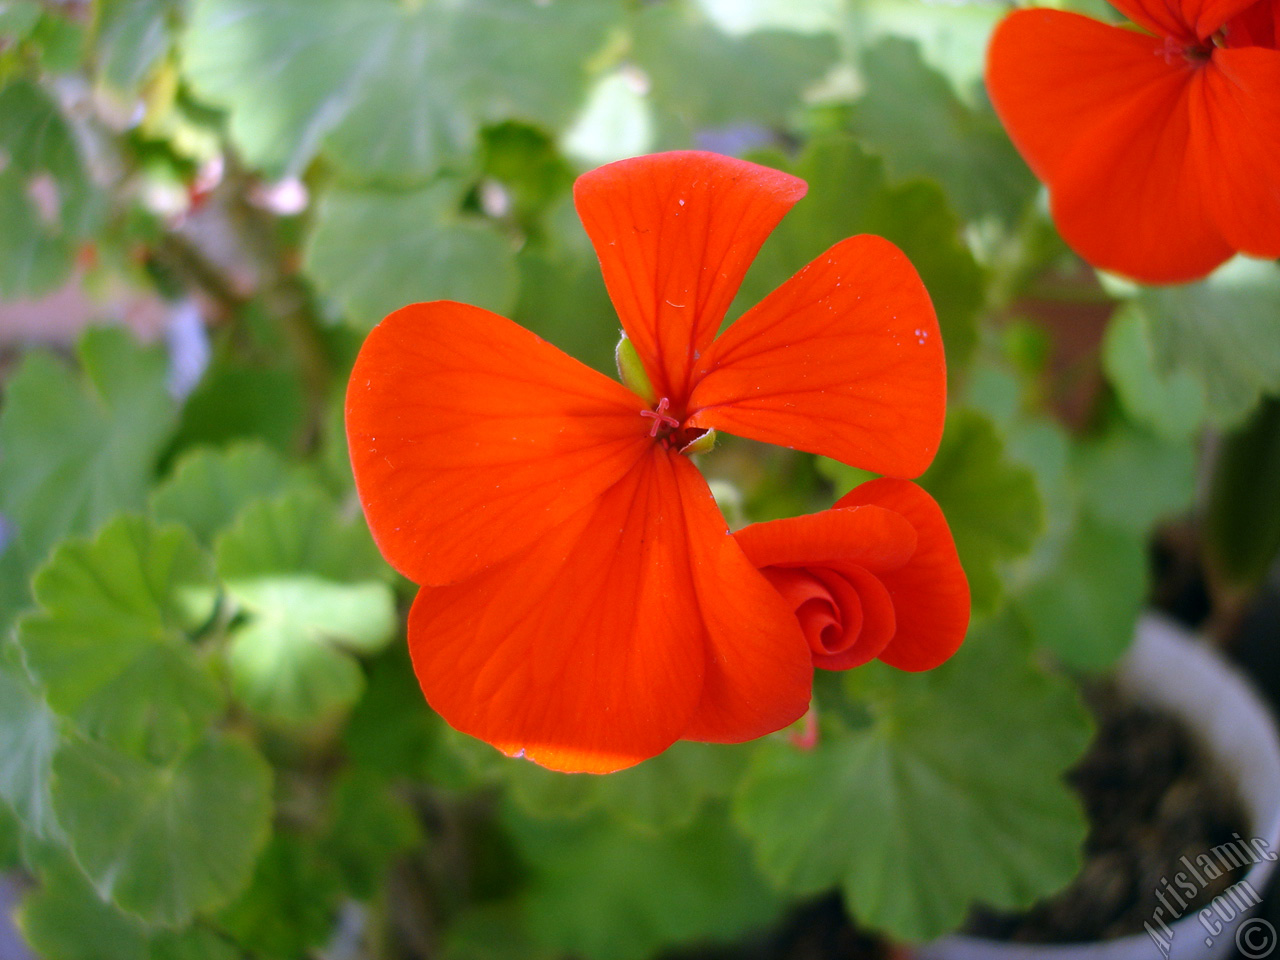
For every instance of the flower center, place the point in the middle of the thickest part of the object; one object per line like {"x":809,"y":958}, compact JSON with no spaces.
{"x":663,"y":423}
{"x":666,"y":429}
{"x":1196,"y":53}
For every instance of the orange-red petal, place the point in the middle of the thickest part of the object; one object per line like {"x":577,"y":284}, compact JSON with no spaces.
{"x":1184,"y":20}
{"x":758,"y":675}
{"x":1235,"y":126}
{"x":587,"y":651}
{"x":930,"y":592}
{"x":1256,"y":26}
{"x":675,"y":233}
{"x":1102,"y":115}
{"x":471,"y":438}
{"x":844,"y":359}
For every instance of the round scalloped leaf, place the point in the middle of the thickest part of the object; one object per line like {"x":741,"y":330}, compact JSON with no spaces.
{"x":915,"y":816}
{"x":209,"y":486}
{"x":76,"y":450}
{"x":602,"y":891}
{"x":388,"y":90}
{"x":164,"y":842}
{"x":312,"y":585}
{"x":374,"y":251}
{"x":991,"y":502}
{"x":1222,"y":331}
{"x":110,"y":646}
{"x":665,"y":792}
{"x":29,"y":735}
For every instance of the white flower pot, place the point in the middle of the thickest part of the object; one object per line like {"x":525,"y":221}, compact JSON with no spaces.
{"x":1169,"y":669}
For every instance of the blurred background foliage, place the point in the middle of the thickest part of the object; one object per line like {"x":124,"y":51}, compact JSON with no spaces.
{"x":211,"y":742}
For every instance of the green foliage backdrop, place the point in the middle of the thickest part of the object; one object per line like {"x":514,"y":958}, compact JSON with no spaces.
{"x":211,"y":742}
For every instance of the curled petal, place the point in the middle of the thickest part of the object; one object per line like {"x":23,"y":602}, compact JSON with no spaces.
{"x":930,"y":593}
{"x":675,"y":233}
{"x":587,"y":651}
{"x":1102,"y":115}
{"x":843,"y":360}
{"x":866,"y":536}
{"x":845,"y":612}
{"x":471,"y":438}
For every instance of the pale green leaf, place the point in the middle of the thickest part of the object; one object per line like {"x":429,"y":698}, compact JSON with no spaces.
{"x":375,"y":251}
{"x":1223,"y":331}
{"x":911,"y":116}
{"x":388,"y":90}
{"x":313,"y":589}
{"x":1172,"y":404}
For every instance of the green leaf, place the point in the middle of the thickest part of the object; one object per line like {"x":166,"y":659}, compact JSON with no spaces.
{"x":602,"y":891}
{"x":76,"y":450}
{"x":952,"y":37}
{"x":288,"y":909}
{"x":208,"y":486}
{"x":1222,"y":331}
{"x":110,"y":645}
{"x":387,"y":90}
{"x":45,"y":193}
{"x":910,"y":116}
{"x":312,"y":587}
{"x":195,"y":943}
{"x":1132,"y":479}
{"x":18,"y":18}
{"x":616,"y":122}
{"x":130,"y":37}
{"x":237,"y":400}
{"x":563,"y":297}
{"x":916,"y":816}
{"x":1172,"y":404}
{"x":375,"y":251}
{"x":164,"y":842}
{"x":1086,"y":605}
{"x":29,"y":736}
{"x":849,"y":194}
{"x":65,"y":919}
{"x":369,"y":827}
{"x":660,"y":794}
{"x":990,"y":501}
{"x":1242,"y":532}
{"x":698,"y":77}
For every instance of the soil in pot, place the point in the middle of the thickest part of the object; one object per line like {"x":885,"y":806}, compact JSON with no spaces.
{"x":1152,"y":798}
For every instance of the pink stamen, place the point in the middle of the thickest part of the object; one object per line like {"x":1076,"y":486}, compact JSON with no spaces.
{"x":806,"y":738}
{"x":660,"y":417}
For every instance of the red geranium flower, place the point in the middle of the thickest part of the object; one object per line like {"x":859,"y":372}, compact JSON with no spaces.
{"x":875,"y":577}
{"x":1162,"y":150}
{"x":582,"y":601}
